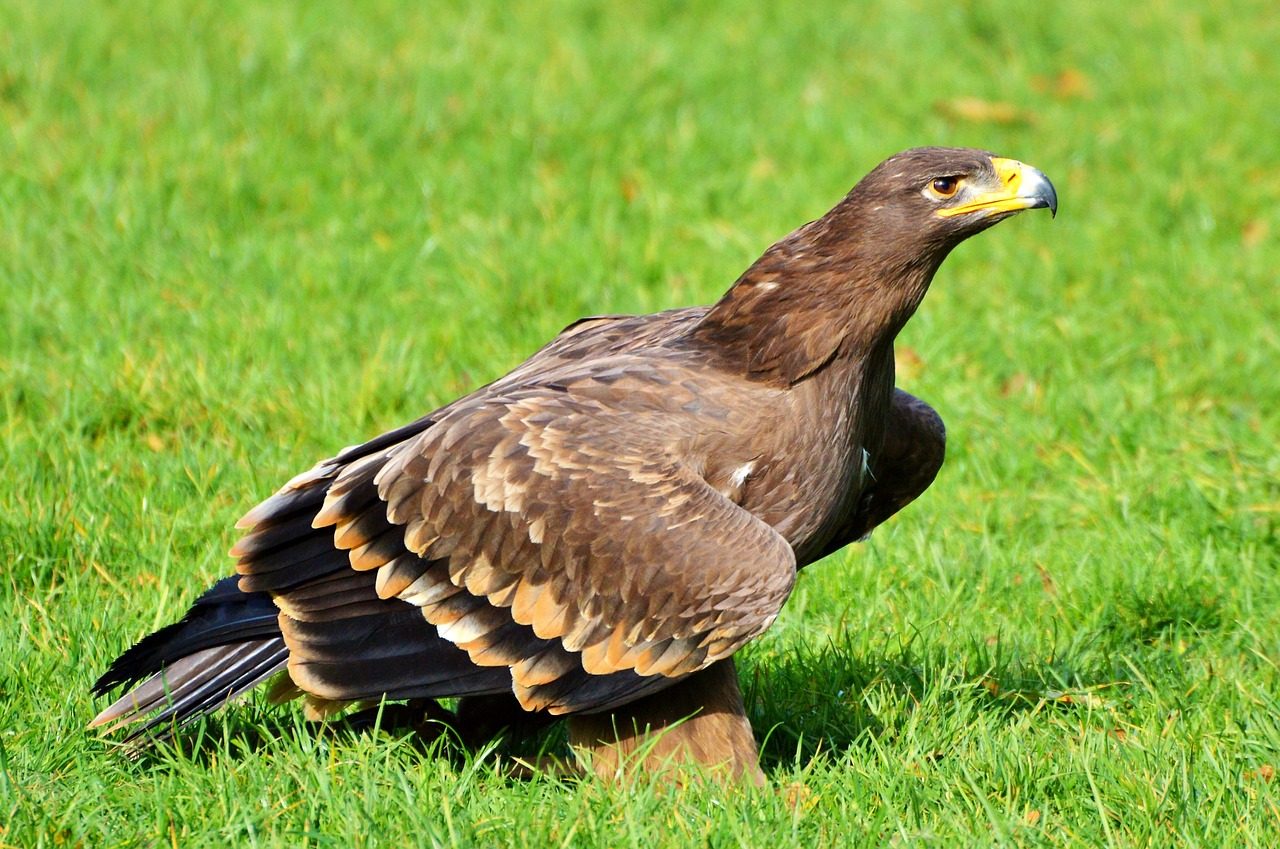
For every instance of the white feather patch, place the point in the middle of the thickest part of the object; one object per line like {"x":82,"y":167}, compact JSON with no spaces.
{"x":739,"y":476}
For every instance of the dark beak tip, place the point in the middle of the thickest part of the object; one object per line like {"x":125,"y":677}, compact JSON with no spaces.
{"x":1041,"y":191}
{"x":1049,"y":202}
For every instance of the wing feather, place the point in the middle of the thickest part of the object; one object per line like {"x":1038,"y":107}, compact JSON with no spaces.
{"x":542,"y":527}
{"x":619,"y":555}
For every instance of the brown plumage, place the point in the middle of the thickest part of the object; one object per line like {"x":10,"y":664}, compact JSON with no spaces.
{"x":598,"y":532}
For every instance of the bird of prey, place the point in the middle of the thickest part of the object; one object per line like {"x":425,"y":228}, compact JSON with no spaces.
{"x":594,"y":535}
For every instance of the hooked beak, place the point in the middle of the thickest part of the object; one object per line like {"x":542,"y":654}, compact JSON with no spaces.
{"x":1021,"y":187}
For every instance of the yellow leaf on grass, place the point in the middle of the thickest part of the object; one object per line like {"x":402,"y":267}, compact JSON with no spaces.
{"x":983,"y":111}
{"x":1253,"y":232}
{"x":1266,"y":773}
{"x":907,"y":363}
{"x":1069,"y":84}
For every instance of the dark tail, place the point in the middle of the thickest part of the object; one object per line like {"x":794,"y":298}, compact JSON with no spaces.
{"x":226,"y":644}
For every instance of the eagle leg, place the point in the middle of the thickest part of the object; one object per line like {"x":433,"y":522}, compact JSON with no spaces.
{"x":700,"y":720}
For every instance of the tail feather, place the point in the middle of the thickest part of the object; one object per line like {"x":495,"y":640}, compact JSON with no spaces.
{"x":242,"y":668}
{"x":226,"y":644}
{"x":194,"y":686}
{"x":222,"y":616}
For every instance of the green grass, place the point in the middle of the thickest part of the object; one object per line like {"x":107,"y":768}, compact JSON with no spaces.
{"x":237,"y":236}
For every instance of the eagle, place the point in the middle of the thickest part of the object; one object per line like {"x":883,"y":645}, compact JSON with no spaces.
{"x":594,"y":535}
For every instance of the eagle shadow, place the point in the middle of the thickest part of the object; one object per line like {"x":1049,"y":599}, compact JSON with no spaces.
{"x":807,"y":701}
{"x":837,"y":698}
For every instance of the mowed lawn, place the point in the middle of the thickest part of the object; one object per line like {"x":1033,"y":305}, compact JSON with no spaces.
{"x":237,"y":236}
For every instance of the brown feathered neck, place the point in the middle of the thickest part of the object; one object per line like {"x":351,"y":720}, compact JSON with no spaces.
{"x":839,"y":287}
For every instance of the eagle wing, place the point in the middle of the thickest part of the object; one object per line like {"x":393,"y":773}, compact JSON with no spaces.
{"x":547,"y":529}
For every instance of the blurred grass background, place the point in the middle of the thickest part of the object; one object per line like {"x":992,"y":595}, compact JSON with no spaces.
{"x":236,"y":236}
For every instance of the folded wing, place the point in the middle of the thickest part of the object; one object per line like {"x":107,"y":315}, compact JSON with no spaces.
{"x":578,"y":558}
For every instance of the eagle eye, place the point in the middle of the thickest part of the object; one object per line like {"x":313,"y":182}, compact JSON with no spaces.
{"x":945,"y":186}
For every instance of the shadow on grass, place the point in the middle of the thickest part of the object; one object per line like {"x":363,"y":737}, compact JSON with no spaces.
{"x":252,"y":727}
{"x":850,"y":691}
{"x":829,"y":698}
{"x":832,"y":701}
